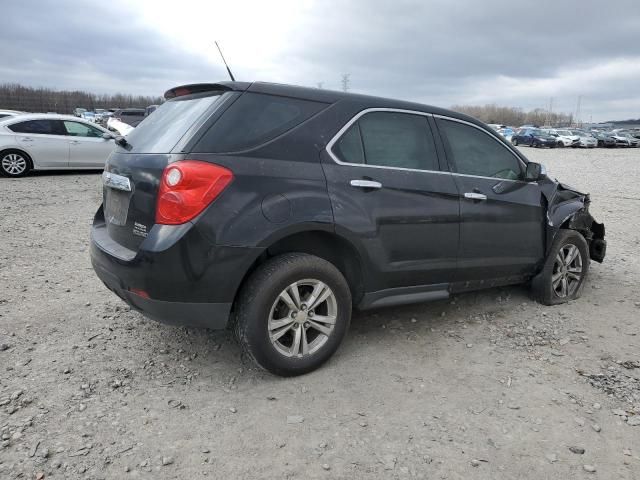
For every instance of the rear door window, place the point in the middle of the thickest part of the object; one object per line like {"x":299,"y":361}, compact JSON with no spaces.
{"x":254,"y":119}
{"x":42,"y":127}
{"x":349,"y":148}
{"x":161,"y":132}
{"x":389,"y":139}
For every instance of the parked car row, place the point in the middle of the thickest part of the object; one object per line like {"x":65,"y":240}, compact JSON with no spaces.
{"x":51,"y":142}
{"x":46,"y":141}
{"x":102,"y":116}
{"x":533,"y":136}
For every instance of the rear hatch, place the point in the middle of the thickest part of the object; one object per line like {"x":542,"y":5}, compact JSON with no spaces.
{"x":133,"y":171}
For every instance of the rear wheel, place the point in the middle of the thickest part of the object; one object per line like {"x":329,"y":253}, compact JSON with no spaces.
{"x":565,"y":270}
{"x":292,"y":314}
{"x":14,"y":163}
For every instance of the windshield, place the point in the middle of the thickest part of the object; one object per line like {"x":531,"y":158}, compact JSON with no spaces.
{"x":566,"y":133}
{"x":160,"y":132}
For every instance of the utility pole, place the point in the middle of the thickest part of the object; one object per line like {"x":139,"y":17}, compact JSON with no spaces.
{"x":345,"y":82}
{"x":551,"y":110}
{"x":578,"y":110}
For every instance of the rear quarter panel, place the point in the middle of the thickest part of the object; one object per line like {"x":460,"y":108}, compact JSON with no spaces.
{"x":269,"y":198}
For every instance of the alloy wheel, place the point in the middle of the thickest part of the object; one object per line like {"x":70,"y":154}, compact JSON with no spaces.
{"x":302,"y":318}
{"x":567,"y":271}
{"x":14,"y":164}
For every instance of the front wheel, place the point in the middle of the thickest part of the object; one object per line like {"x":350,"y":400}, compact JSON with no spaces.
{"x":292,"y":314}
{"x":565,"y":270}
{"x":515,"y":142}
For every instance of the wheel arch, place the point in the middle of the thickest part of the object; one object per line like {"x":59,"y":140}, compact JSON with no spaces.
{"x":576,"y":216}
{"x":21,"y":151}
{"x":30,"y":164}
{"x":323,"y":243}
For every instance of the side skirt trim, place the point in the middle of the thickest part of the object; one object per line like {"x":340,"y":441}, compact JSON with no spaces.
{"x":404,"y":295}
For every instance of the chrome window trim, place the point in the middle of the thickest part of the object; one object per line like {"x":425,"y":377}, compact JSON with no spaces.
{"x":354,"y":119}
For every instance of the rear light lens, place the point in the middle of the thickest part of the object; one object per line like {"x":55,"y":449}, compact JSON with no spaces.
{"x":187,"y":187}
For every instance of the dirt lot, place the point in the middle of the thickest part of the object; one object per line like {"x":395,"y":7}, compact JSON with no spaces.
{"x":484,"y":385}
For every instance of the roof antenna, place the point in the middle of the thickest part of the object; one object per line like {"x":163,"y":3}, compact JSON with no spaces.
{"x":225,"y":63}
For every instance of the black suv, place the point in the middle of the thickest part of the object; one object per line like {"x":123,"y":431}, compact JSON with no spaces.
{"x":277,"y":209}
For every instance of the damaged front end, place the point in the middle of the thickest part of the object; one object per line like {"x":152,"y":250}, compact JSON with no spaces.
{"x":569,"y":209}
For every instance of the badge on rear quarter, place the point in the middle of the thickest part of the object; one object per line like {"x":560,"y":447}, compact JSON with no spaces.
{"x":139,"y":229}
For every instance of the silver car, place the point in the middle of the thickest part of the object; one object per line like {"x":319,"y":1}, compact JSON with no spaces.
{"x":586,"y":140}
{"x":9,"y":113}
{"x":51,"y":142}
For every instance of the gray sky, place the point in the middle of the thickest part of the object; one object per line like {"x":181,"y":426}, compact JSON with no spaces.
{"x":440,"y":52}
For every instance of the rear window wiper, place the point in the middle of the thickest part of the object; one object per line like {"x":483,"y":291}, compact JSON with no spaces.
{"x":122,"y":141}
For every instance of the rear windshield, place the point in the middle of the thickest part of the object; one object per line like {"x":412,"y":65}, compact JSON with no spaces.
{"x":255,"y":119}
{"x":161,"y":132}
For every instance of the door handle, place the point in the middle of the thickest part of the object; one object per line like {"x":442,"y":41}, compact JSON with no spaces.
{"x":475,"y":196}
{"x":365,"y":184}
{"x":74,"y":142}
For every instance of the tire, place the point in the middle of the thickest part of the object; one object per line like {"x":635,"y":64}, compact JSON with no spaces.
{"x":546,"y":289}
{"x":560,"y":144}
{"x":15,"y":163}
{"x":515,"y":142}
{"x":261,"y":314}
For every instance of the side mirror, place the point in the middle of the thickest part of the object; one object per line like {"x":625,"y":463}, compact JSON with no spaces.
{"x":107,"y":136}
{"x":535,"y":171}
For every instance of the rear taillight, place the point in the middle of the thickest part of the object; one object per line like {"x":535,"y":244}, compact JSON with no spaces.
{"x":187,"y":187}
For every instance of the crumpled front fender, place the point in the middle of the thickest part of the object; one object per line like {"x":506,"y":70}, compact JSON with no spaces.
{"x":567,"y":208}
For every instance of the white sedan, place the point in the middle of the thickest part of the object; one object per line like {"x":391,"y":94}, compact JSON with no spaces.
{"x":564,"y":137}
{"x":9,"y":113}
{"x":51,"y":142}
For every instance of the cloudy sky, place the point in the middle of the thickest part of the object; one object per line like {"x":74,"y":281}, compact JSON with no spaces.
{"x":441,"y":52}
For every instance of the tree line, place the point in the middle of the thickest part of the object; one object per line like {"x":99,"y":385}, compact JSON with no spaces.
{"x":14,"y":96}
{"x":515,"y":116}
{"x":38,"y":99}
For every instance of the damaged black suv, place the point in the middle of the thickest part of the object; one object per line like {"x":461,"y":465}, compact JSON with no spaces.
{"x":277,"y":209}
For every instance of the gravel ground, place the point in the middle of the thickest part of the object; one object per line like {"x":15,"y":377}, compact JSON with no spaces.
{"x":485,"y":385}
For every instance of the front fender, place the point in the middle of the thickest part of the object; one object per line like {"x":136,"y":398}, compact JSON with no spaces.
{"x":569,"y":209}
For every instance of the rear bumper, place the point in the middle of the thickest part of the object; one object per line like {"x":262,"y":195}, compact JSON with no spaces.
{"x":186,"y":281}
{"x":205,"y":315}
